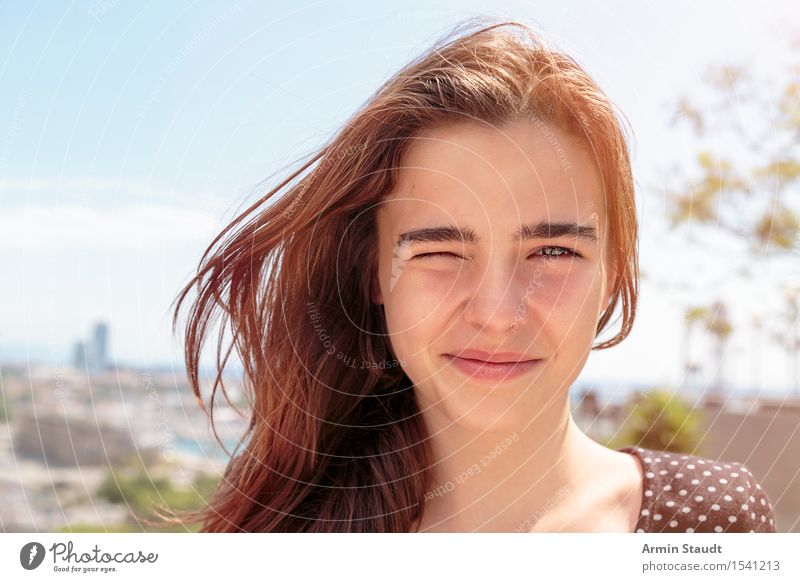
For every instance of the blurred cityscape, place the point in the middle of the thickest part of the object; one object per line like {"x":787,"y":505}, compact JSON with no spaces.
{"x":91,"y":446}
{"x":94,"y":447}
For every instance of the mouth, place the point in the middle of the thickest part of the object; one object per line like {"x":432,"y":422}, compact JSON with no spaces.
{"x":485,"y":370}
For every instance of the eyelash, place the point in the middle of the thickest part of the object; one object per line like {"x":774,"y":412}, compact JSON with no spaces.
{"x":567,"y":252}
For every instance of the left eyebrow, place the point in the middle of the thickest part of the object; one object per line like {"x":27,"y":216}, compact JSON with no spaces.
{"x":542,"y":230}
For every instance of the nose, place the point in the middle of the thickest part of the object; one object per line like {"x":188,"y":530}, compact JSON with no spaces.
{"x":499,"y":303}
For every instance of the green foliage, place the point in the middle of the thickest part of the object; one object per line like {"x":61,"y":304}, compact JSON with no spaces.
{"x":125,"y":527}
{"x":784,"y":170}
{"x":5,"y":410}
{"x":790,"y":105}
{"x":749,"y":195}
{"x":699,"y":201}
{"x":144,"y":490}
{"x":658,"y":419}
{"x":695,"y":314}
{"x":717,"y":322}
{"x":778,"y":227}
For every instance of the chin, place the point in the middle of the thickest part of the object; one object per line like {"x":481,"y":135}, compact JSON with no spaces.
{"x":488,"y":415}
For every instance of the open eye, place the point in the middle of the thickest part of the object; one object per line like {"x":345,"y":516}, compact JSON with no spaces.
{"x":437,"y":254}
{"x":555,"y":252}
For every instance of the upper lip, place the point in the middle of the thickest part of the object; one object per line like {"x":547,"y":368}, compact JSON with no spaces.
{"x":494,"y":357}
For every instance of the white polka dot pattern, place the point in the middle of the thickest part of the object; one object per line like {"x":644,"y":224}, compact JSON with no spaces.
{"x":685,"y":493}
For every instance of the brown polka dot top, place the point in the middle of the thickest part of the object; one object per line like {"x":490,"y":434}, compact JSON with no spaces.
{"x":686,"y":494}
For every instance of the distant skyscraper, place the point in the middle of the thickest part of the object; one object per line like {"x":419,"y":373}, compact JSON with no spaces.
{"x":92,"y":353}
{"x":100,"y":346}
{"x":79,"y":356}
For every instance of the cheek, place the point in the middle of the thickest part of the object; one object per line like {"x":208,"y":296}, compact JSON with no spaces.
{"x":565,"y":302}
{"x":413,"y":316}
{"x":417,"y":294}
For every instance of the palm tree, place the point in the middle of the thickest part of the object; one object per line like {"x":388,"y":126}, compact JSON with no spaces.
{"x":719,"y":326}
{"x":692,"y":317}
{"x":788,"y":335}
{"x":758,"y":339}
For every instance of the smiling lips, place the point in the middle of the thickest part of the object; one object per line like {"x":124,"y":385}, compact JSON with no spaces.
{"x":481,"y":365}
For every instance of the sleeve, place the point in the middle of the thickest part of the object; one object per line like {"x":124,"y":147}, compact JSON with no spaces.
{"x":757,"y":513}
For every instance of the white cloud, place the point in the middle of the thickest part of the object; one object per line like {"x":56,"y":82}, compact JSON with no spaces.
{"x":84,"y":184}
{"x":77,"y":212}
{"x":133,"y":227}
{"x":96,"y":191}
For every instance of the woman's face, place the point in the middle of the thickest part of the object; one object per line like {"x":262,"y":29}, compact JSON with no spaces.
{"x":501,"y":280}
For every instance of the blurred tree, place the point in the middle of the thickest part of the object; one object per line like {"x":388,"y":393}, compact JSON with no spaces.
{"x":143,"y":490}
{"x":658,"y":419}
{"x":750,"y":190}
{"x":787,"y":334}
{"x":5,"y":409}
{"x":693,"y":316}
{"x":715,"y":321}
{"x":757,"y":337}
{"x":742,"y":185}
{"x":721,"y":328}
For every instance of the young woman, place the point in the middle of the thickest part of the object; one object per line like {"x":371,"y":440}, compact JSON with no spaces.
{"x":413,"y":306}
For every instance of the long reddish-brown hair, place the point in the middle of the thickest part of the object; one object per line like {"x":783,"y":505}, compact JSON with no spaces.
{"x":335,"y":441}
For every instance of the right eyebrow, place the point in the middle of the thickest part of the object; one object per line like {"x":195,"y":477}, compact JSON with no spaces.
{"x":437,"y":234}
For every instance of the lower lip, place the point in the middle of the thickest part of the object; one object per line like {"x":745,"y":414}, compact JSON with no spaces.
{"x":481,"y":370}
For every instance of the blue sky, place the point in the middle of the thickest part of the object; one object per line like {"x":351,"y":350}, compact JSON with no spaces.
{"x":130,"y":132}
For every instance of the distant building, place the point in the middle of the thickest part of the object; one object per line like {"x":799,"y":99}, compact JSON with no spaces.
{"x":93,"y":354}
{"x":79,"y":356}
{"x":99,"y":351}
{"x":75,"y":439}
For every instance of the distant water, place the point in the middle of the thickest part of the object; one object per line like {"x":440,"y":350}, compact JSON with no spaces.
{"x":619,"y":392}
{"x":208,"y":449}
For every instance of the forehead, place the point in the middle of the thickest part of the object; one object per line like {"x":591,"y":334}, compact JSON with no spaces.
{"x":496,"y":177}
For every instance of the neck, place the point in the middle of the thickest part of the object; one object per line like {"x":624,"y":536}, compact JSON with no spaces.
{"x":505,"y":479}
